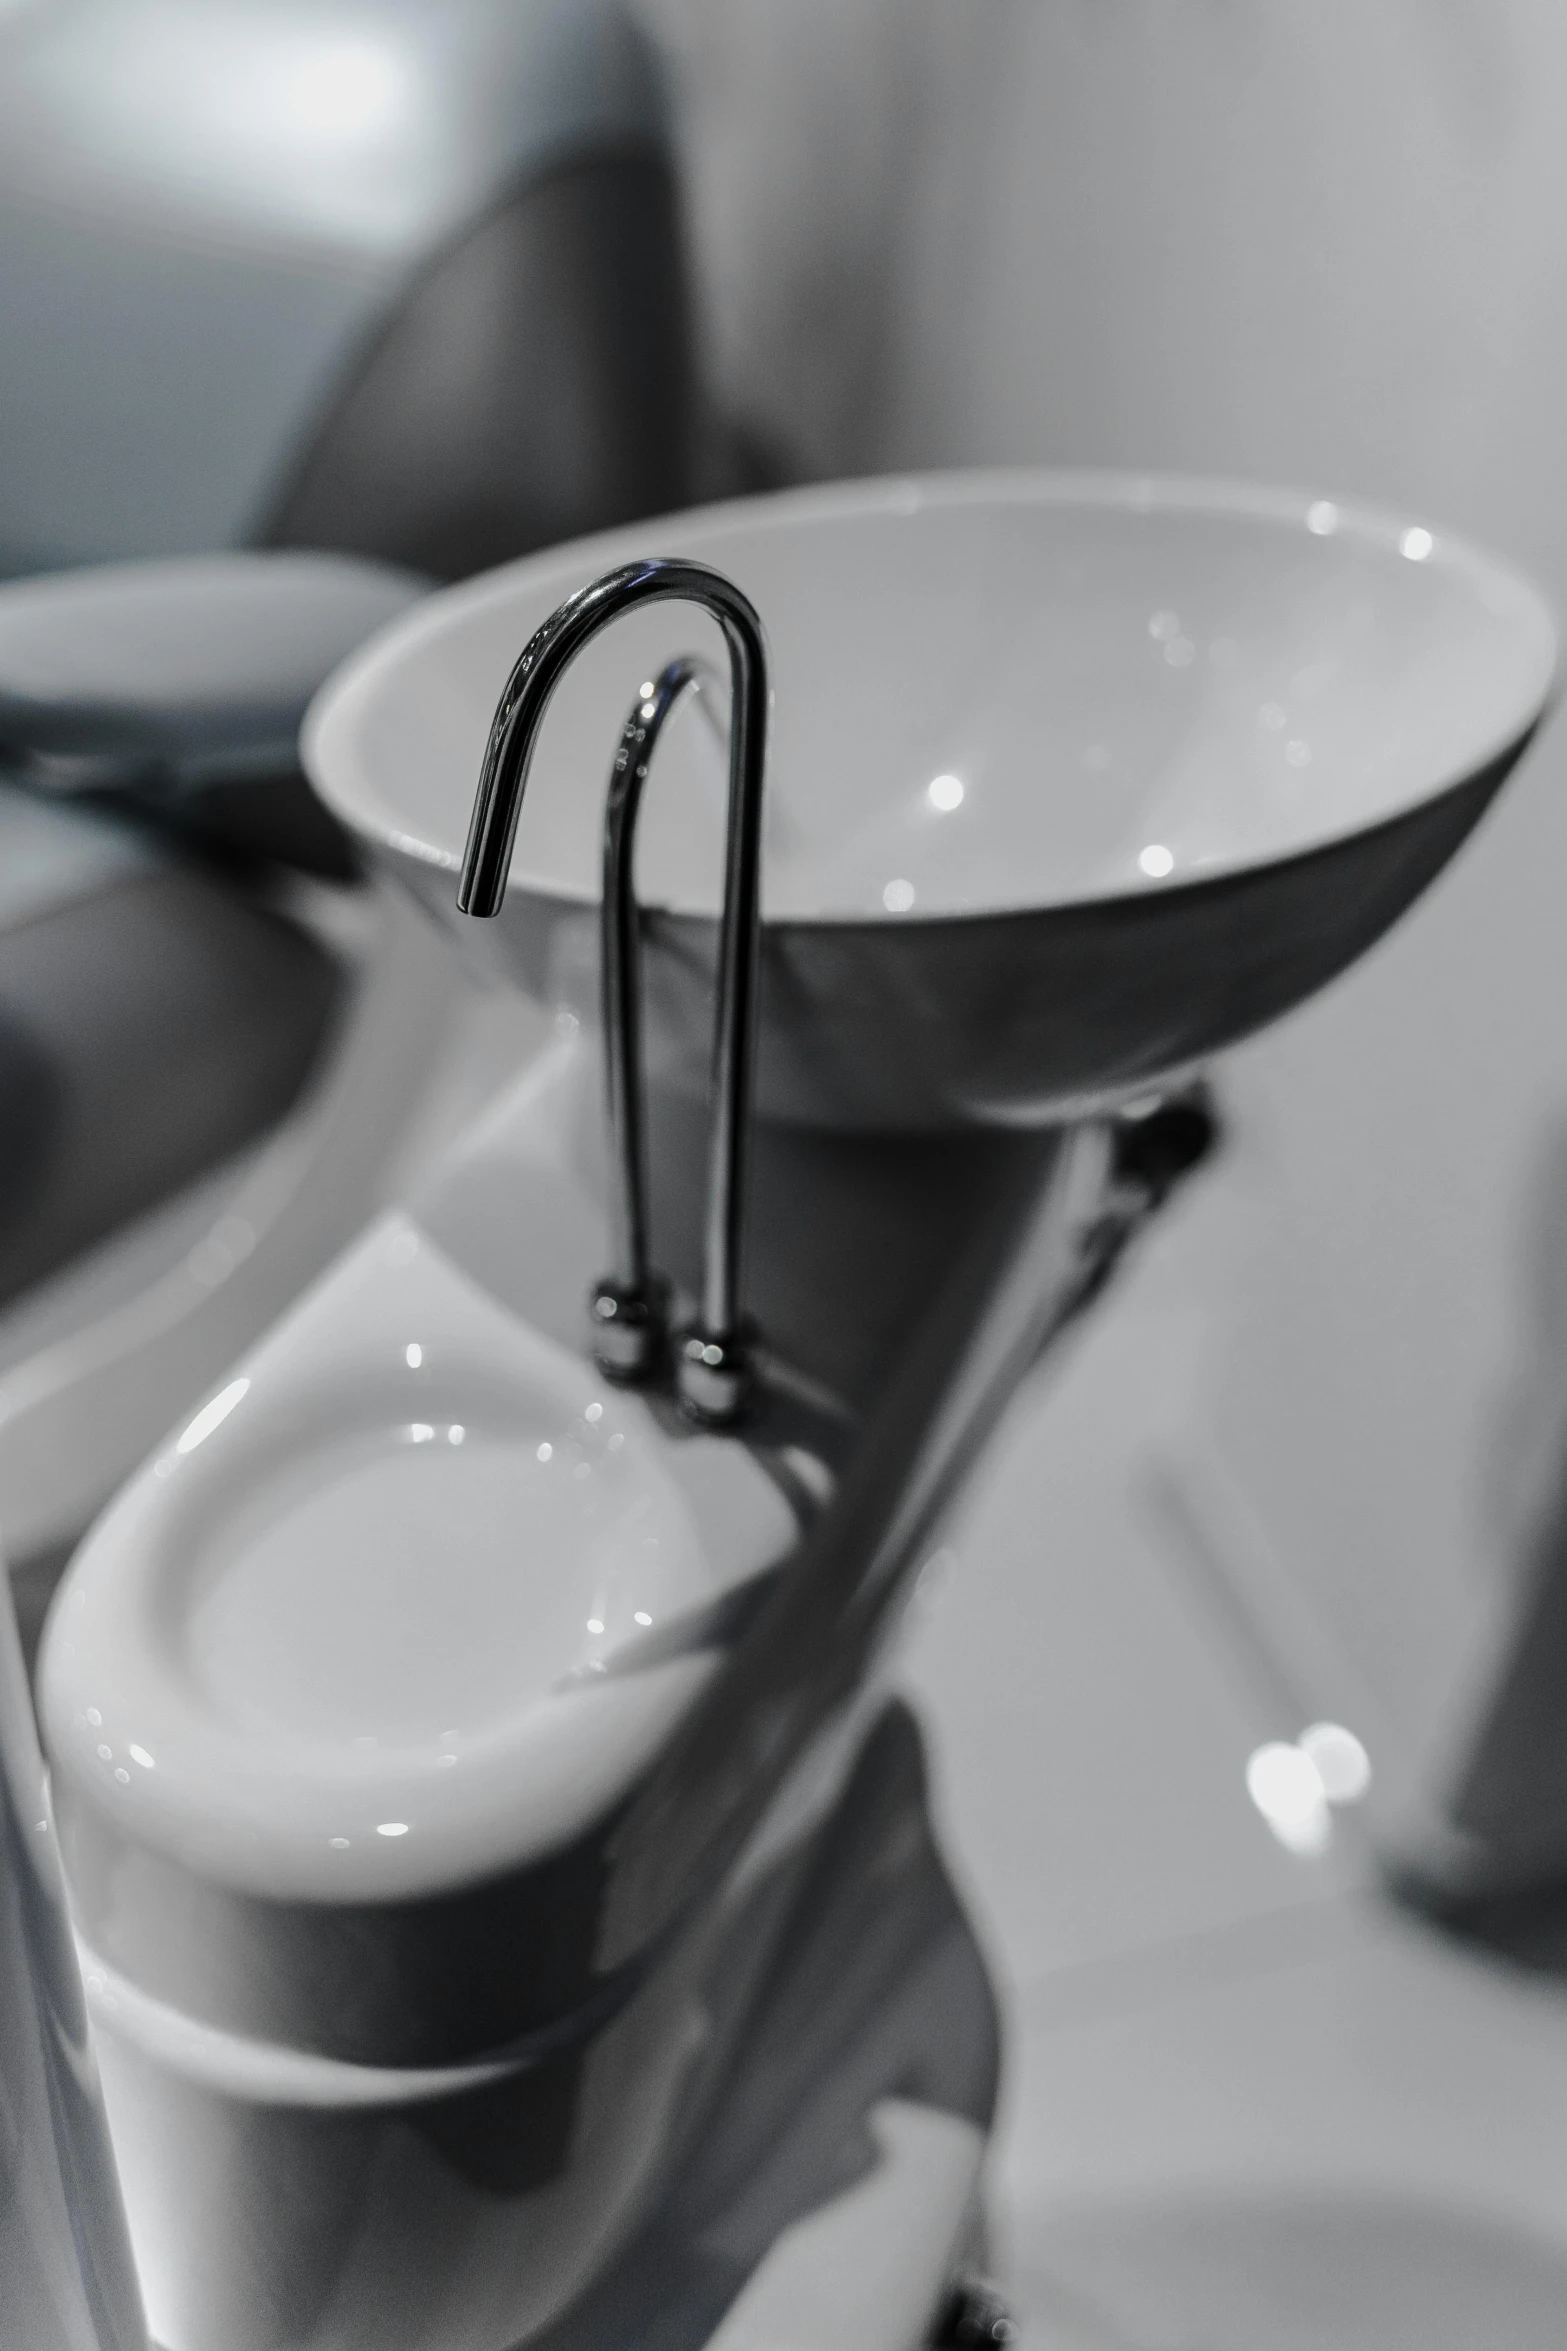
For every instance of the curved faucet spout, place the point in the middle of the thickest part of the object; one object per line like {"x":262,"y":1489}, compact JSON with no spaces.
{"x":713,"y":1360}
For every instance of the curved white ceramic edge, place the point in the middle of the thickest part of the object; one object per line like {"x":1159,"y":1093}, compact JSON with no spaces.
{"x":90,"y":1370}
{"x":220,"y":2062}
{"x":1492,"y":710}
{"x":223,"y":1621}
{"x":237,"y":2066}
{"x":207,"y":2120}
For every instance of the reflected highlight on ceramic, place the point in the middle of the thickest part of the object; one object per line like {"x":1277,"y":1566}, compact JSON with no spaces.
{"x":1077,"y":728}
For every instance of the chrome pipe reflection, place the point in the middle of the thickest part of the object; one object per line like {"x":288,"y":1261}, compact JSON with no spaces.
{"x":713,"y":1361}
{"x":630,"y":1305}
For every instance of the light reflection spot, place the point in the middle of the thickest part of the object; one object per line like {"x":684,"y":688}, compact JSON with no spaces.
{"x":1156,"y":860}
{"x":122,"y":1775}
{"x":456,"y":1433}
{"x":1286,"y":1787}
{"x":898,"y":896}
{"x":141,"y":1756}
{"x":595,"y":1624}
{"x":1180,"y":653}
{"x":1416,"y":544}
{"x":594,"y":1412}
{"x":945,"y":792}
{"x":1342,"y":1763}
{"x":391,"y":1828}
{"x":546,"y":1452}
{"x":211,"y":1416}
{"x":413,"y":1355}
{"x":1322,"y":518}
{"x":1298,"y":753}
{"x":338,"y":1844}
{"x":350,"y":86}
{"x":642,"y":1616}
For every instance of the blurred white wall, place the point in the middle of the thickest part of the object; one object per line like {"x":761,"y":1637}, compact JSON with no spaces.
{"x":1324,"y":244}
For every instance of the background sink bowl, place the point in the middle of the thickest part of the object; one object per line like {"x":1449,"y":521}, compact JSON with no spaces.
{"x":1073,"y":779}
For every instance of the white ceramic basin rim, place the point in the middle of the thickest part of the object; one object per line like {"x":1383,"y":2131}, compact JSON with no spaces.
{"x":992,"y":692}
{"x":1072,"y":781}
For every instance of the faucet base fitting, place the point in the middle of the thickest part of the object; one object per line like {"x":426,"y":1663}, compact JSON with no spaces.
{"x":630,"y":1331}
{"x":713,"y":1376}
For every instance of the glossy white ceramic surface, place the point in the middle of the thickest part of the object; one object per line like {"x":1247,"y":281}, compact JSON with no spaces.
{"x":361,"y":1629}
{"x":411,"y":1600}
{"x":96,"y":1362}
{"x":992,"y":692}
{"x":1074,"y":780}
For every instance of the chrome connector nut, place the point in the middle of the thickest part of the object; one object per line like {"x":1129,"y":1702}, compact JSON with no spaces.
{"x":630,"y":1332}
{"x":713,"y":1377}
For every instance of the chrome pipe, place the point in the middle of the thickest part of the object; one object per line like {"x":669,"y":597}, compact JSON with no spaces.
{"x":629,"y":1307}
{"x":713,"y":1358}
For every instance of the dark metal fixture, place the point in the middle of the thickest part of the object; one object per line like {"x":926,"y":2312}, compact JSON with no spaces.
{"x":713,"y":1357}
{"x":630,"y":1306}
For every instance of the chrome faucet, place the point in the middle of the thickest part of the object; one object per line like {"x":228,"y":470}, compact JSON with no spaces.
{"x":630,"y":1305}
{"x":713,"y":1358}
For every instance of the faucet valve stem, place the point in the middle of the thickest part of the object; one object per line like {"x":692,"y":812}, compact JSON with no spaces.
{"x":627,"y":1307}
{"x":713,"y":1375}
{"x":630,"y":1330}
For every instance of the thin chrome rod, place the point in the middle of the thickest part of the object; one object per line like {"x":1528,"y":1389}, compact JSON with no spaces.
{"x":712,"y":1355}
{"x":620,"y":969}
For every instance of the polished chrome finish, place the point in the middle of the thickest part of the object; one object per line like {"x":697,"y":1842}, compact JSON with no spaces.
{"x":713,"y":1373}
{"x":629,"y":1306}
{"x":1156,"y":1143}
{"x":629,"y":1328}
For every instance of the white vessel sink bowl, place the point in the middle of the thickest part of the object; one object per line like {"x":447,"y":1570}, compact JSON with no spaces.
{"x":1073,"y":779}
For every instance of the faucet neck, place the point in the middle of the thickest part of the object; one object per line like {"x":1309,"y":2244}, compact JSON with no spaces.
{"x":713,"y":1367}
